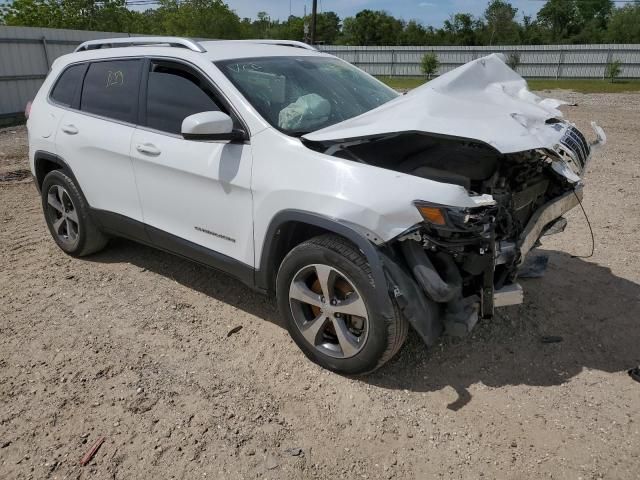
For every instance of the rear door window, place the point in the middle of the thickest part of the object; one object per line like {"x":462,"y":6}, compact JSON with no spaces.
{"x":174,"y":92}
{"x":67,"y":85}
{"x":111,"y":89}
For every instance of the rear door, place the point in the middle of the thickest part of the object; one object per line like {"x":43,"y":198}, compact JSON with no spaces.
{"x":95,"y":133}
{"x":193,"y":193}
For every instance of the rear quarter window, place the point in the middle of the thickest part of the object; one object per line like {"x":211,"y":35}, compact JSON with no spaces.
{"x":67,"y":85}
{"x":111,"y":89}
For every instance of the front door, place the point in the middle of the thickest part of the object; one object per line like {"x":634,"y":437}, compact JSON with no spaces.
{"x":195,"y":195}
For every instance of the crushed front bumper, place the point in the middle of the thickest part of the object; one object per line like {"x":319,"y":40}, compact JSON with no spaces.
{"x":544,"y":216}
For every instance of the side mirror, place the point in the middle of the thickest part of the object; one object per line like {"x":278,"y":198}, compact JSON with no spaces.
{"x":210,"y":126}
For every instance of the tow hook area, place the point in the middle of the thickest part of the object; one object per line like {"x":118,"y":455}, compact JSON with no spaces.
{"x":443,"y":284}
{"x":441,"y":281}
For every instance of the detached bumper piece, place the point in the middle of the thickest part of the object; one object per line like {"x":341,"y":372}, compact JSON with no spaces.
{"x":544,"y":216}
{"x":508,"y":295}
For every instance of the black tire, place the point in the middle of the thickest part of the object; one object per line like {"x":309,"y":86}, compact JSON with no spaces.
{"x":384,"y":337}
{"x":79,"y":241}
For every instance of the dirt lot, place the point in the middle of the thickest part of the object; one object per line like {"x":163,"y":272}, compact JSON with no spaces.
{"x":131,"y":344}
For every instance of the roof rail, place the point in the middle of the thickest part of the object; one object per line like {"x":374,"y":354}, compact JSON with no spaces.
{"x":141,"y":41}
{"x":284,"y":43}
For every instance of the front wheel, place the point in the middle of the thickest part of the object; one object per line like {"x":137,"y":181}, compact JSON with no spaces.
{"x":325,"y":293}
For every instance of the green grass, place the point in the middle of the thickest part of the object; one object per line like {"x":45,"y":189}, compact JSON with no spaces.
{"x":403,"y":83}
{"x":582,"y":86}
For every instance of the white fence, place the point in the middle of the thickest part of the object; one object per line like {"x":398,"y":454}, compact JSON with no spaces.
{"x":536,"y":61}
{"x":26,"y":55}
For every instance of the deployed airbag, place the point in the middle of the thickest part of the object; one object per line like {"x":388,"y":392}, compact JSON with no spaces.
{"x":306,"y":113}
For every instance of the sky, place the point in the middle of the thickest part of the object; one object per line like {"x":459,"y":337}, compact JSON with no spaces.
{"x":429,"y":12}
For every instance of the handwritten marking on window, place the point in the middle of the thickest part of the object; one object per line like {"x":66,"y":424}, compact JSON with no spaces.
{"x":115,"y":78}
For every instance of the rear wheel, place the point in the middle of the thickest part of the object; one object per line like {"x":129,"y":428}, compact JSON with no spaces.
{"x":325,"y":292}
{"x":67,"y":216}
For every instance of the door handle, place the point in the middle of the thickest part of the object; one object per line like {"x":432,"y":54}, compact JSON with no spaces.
{"x":148,"y":149}
{"x":70,"y":129}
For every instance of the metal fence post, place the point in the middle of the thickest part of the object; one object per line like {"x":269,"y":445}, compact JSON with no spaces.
{"x":46,"y":52}
{"x":560,"y":59}
{"x":393,"y":58}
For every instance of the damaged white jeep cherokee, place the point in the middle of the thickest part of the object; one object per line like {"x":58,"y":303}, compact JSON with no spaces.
{"x":363,"y":210}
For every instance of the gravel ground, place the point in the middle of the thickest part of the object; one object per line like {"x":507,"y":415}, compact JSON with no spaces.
{"x":131,"y":344}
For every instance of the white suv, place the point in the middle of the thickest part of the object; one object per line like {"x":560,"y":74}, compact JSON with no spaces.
{"x":362,"y":210}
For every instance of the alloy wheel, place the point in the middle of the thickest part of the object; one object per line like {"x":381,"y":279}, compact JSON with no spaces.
{"x":63,"y":215}
{"x":329,"y":311}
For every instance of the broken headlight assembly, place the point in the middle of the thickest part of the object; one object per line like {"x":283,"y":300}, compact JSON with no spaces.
{"x":448,"y":220}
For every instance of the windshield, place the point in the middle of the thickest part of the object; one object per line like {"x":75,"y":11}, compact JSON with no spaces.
{"x":298,"y":95}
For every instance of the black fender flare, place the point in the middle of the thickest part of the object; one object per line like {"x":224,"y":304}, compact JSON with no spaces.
{"x":265,"y":274}
{"x":41,"y":155}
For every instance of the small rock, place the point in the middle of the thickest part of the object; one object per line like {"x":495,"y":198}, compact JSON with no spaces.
{"x":6,"y":444}
{"x":139,"y":390}
{"x":514,"y":444}
{"x":295,"y":452}
{"x":271,"y":463}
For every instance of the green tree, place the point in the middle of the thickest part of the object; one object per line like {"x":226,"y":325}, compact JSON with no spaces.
{"x":370,"y":27}
{"x":327,"y":27}
{"x":560,"y":17}
{"x":614,"y":69}
{"x":598,"y":10}
{"x":291,"y":29}
{"x":502,"y":27}
{"x":413,"y":34}
{"x":429,"y":64}
{"x":198,"y":18}
{"x":33,"y":13}
{"x":558,"y":21}
{"x":106,"y":15}
{"x":262,"y":25}
{"x":531,"y":32}
{"x":624,"y":25}
{"x":463,"y":29}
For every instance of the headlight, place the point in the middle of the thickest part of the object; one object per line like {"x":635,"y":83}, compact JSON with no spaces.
{"x":435,"y":215}
{"x":450,"y":218}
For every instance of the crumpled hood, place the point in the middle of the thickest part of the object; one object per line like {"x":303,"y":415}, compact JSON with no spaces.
{"x":484,"y":100}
